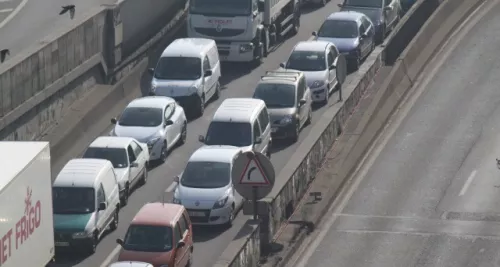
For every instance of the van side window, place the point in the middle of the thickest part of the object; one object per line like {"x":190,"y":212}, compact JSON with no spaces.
{"x":206,"y":64}
{"x":183,"y":224}
{"x":169,"y":111}
{"x":333,"y":52}
{"x":263,"y":119}
{"x":137,"y":149}
{"x":300,"y":92}
{"x":256,"y":130}
{"x":365,"y":22}
{"x":131,"y":154}
{"x":330,"y":59}
{"x":101,"y":196}
{"x":362,"y":29}
{"x":177,"y":233}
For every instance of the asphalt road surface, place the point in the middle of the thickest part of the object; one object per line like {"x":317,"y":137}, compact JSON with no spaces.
{"x":238,"y":81}
{"x":26,"y":22}
{"x":429,"y":194}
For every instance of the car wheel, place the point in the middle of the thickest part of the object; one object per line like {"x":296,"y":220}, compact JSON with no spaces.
{"x":190,"y":259}
{"x":92,"y":246}
{"x":327,"y":96}
{"x":114,"y":223}
{"x":183,"y":133}
{"x":163,"y":153}
{"x":201,"y":105}
{"x":309,"y":117}
{"x":296,"y":132}
{"x":381,"y":34}
{"x":229,"y":223}
{"x":268,"y":152}
{"x":323,"y":3}
{"x":217,"y":91}
{"x":144,"y":178}
{"x":126,"y":193}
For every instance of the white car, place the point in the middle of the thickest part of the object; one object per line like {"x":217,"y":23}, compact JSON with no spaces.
{"x":318,"y":61}
{"x":157,"y":121}
{"x":129,"y":158}
{"x":131,"y":264}
{"x":205,"y":187}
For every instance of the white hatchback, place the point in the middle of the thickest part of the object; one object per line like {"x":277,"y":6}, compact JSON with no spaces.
{"x":157,"y":121}
{"x":129,"y":159}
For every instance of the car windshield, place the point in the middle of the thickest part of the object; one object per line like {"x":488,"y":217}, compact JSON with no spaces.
{"x":178,"y":68}
{"x":229,"y":133}
{"x":276,"y":95}
{"x":220,"y":7}
{"x":148,"y":238}
{"x":141,"y":117}
{"x":338,"y":29}
{"x":117,"y":156}
{"x":364,"y":3}
{"x":198,"y":174}
{"x":307,"y":61}
{"x":73,"y":200}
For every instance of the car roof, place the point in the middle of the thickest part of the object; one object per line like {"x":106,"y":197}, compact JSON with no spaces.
{"x":313,"y":45}
{"x":282,"y":76}
{"x":131,"y":264}
{"x":345,"y":15}
{"x":238,"y":110}
{"x":158,"y":214}
{"x":151,"y":102}
{"x":112,"y":142}
{"x":80,"y":172}
{"x":223,"y":154}
{"x":188,"y":47}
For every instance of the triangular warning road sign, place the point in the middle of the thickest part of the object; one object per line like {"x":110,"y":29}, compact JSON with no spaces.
{"x":253,"y":174}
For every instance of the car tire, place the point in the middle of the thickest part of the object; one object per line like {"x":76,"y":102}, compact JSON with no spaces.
{"x":183,"y":138}
{"x":296,"y":133}
{"x":229,"y":223}
{"x":92,"y":246}
{"x":381,"y":35}
{"x":126,"y":194}
{"x":327,"y":97}
{"x":309,"y":117}
{"x":190,"y":259}
{"x":217,"y":91}
{"x":116,"y":220}
{"x":144,"y":178}
{"x":201,"y":106}
{"x":163,"y":153}
{"x":323,"y":3}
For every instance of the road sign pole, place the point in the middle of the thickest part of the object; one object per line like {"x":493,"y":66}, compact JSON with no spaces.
{"x":254,"y":200}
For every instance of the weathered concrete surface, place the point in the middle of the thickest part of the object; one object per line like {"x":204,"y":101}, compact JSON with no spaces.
{"x":244,"y":250}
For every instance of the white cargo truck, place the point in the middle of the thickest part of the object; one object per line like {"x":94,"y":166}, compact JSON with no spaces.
{"x":26,"y":228}
{"x":244,"y":30}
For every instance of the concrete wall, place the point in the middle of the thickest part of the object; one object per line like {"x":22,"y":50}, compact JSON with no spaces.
{"x":242,"y":252}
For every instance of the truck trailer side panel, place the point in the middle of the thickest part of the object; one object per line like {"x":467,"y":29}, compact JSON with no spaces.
{"x":26,"y":224}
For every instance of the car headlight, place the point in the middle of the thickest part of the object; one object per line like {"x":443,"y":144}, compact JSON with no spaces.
{"x":80,"y":235}
{"x":153,"y":141}
{"x":176,"y":201}
{"x":317,"y":84}
{"x":286,"y":120}
{"x":221,"y":203}
{"x":246,"y":47}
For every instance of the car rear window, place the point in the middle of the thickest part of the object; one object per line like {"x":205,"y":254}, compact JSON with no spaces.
{"x":148,"y":238}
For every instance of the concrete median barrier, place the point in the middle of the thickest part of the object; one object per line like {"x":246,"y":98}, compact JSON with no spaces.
{"x":409,"y":48}
{"x":39,"y":85}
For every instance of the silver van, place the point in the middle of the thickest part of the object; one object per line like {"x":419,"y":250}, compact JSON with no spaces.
{"x":241,"y":122}
{"x":188,"y":71}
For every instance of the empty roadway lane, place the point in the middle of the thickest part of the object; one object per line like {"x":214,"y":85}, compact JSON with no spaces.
{"x":429,"y":193}
{"x":238,"y":81}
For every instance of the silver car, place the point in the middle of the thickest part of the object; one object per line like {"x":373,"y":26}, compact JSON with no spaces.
{"x":288,"y":101}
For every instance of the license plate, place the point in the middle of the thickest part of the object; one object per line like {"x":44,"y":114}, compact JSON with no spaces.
{"x":197,"y":213}
{"x":62,"y":244}
{"x":274,"y":129}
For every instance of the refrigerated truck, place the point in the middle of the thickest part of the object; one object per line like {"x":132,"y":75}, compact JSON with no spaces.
{"x":244,"y":30}
{"x":26,"y":225}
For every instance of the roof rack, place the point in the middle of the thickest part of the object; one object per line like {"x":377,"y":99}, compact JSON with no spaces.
{"x":291,"y":78}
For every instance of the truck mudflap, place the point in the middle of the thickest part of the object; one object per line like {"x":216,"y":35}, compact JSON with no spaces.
{"x":341,"y":69}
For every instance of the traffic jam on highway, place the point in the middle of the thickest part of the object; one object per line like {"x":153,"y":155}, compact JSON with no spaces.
{"x":89,"y":192}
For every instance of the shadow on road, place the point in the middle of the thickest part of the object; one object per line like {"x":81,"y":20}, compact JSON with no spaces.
{"x":203,"y":234}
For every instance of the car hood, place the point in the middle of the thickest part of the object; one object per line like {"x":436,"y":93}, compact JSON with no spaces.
{"x":72,"y":222}
{"x":142,"y":134}
{"x":201,"y":194}
{"x":173,"y":88}
{"x":375,"y":14}
{"x":312,"y":76}
{"x":342,"y":44}
{"x":276,"y":114}
{"x":155,"y":258}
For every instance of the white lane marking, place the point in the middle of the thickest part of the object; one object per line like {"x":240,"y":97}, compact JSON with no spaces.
{"x":110,"y":257}
{"x":13,"y":13}
{"x":467,"y":183}
{"x":6,"y":10}
{"x":171,"y":187}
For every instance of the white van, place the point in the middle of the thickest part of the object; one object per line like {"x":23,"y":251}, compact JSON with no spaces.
{"x":241,"y":122}
{"x":86,"y":202}
{"x":188,"y":71}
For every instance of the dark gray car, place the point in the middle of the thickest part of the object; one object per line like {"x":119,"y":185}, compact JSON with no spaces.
{"x":384,"y":14}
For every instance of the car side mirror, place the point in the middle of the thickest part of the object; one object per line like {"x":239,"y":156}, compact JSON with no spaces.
{"x":134,"y":164}
{"x":151,"y":71}
{"x":258,"y":140}
{"x":282,"y":64}
{"x":103,"y":206}
{"x":340,"y":5}
{"x":113,"y":120}
{"x":260,"y":6}
{"x":181,"y":244}
{"x":177,"y":179}
{"x":168,"y":122}
{"x":387,"y":8}
{"x":364,"y":35}
{"x":332,"y":67}
{"x":201,"y":138}
{"x":119,"y":241}
{"x":208,"y":73}
{"x":302,"y":102}
{"x":315,"y":33}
